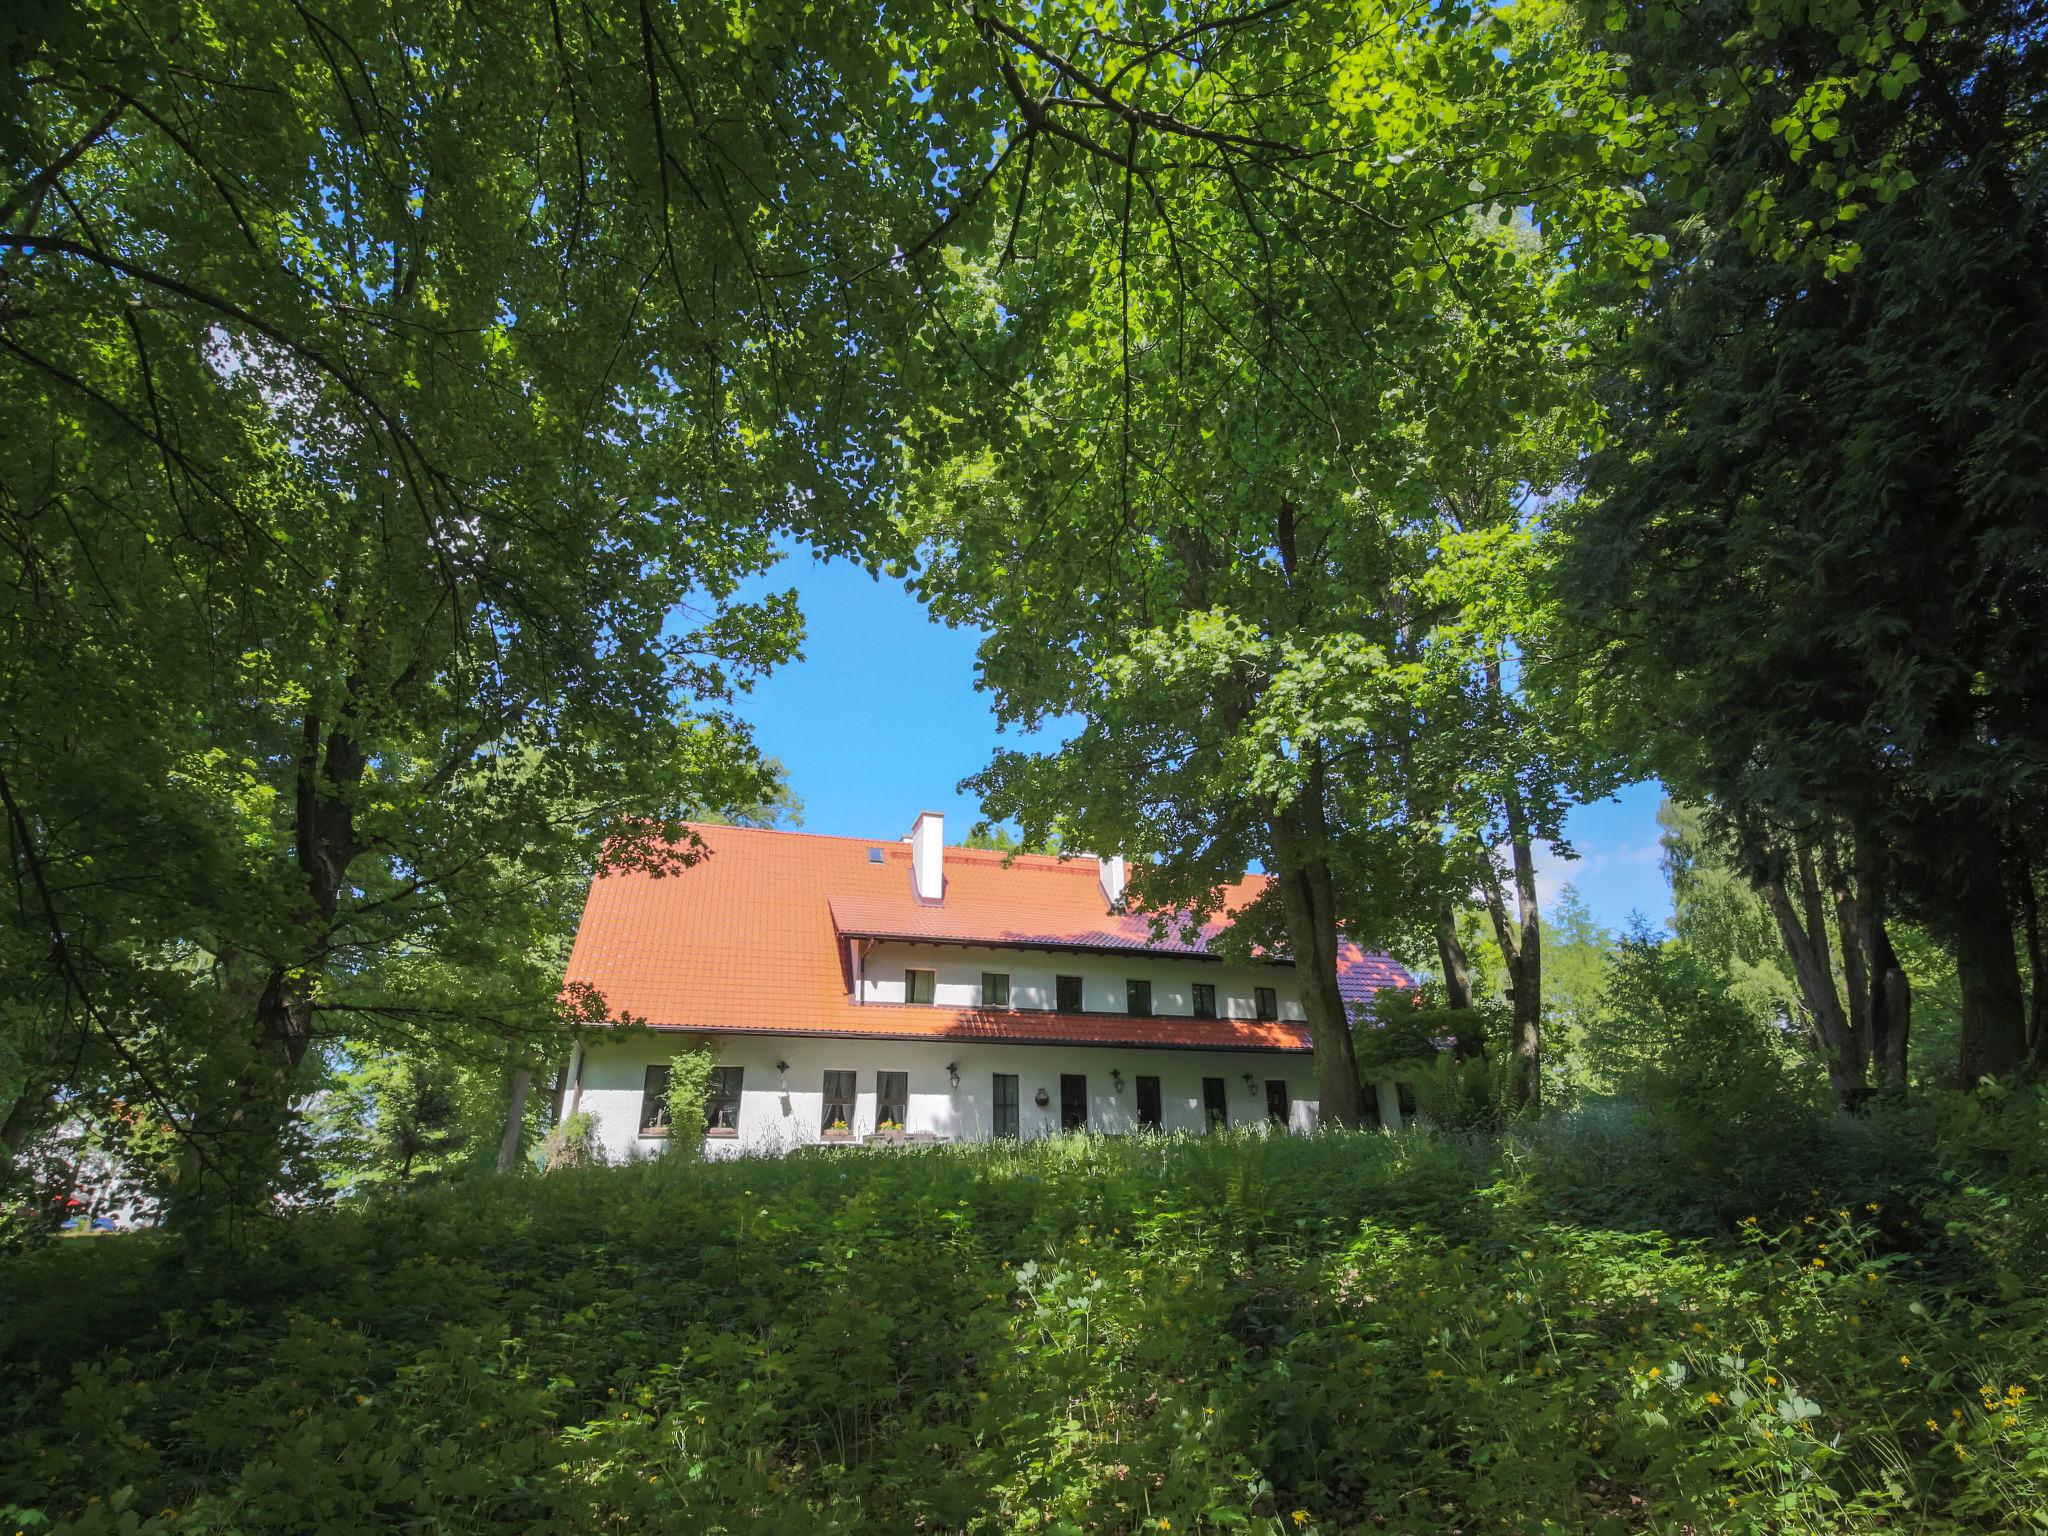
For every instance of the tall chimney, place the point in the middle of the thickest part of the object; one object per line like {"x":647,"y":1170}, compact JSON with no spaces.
{"x":1110,"y":871}
{"x":928,"y":856}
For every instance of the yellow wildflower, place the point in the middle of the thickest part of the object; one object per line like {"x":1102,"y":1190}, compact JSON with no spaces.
{"x":1715,"y":1398}
{"x":1932,"y":1425}
{"x":1905,"y":1359}
{"x":1301,"y":1517}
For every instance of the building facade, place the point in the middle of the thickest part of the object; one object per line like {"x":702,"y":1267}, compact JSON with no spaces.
{"x":851,"y":989}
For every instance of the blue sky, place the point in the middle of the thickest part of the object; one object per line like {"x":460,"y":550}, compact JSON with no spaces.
{"x":881,"y":719}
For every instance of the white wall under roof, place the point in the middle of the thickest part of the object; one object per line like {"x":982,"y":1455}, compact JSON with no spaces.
{"x":780,"y":1111}
{"x":1032,"y":973}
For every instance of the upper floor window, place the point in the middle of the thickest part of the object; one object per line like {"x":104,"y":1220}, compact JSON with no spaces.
{"x":917,"y":986}
{"x":1205,"y":1000}
{"x":1067,"y":994}
{"x":1138,"y":998}
{"x":995,"y":989}
{"x":722,"y":1108}
{"x":1268,"y":1001}
{"x":654,"y":1102}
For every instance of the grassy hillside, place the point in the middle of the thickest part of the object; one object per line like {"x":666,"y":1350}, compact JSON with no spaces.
{"x":1331,"y":1334}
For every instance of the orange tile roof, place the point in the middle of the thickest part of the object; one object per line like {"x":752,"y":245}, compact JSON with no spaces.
{"x":752,"y":939}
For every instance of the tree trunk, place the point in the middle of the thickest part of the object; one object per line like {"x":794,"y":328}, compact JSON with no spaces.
{"x":2037,"y":968}
{"x":1807,"y":945}
{"x":1520,"y":936}
{"x":1994,"y":1029}
{"x":1891,"y":994}
{"x":515,"y":1116}
{"x":1468,"y":1042}
{"x":1301,"y":874}
{"x":1891,"y":1015}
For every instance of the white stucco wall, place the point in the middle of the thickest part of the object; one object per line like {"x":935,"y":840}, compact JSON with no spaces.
{"x":782,"y":1110}
{"x":1032,"y":973}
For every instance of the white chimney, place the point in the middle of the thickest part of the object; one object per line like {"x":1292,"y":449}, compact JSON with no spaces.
{"x":928,"y":856}
{"x":1110,"y":871}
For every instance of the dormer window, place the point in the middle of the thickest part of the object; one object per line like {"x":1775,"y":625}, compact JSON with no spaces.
{"x":1138,"y":999}
{"x":918,"y":986}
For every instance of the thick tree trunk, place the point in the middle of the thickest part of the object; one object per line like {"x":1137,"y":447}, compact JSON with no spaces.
{"x":1301,"y":874}
{"x":30,"y":1107}
{"x":1994,"y":1026}
{"x":1468,"y":1041}
{"x":515,"y":1116}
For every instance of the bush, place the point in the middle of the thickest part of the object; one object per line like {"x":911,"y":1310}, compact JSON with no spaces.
{"x":572,"y":1143}
{"x":1344,"y":1332}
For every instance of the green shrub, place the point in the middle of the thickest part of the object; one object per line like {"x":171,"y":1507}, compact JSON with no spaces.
{"x":1340,"y":1332}
{"x":572,"y":1143}
{"x":689,"y":1095}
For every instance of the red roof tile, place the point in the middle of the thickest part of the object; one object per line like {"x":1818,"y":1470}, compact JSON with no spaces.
{"x":751,"y":939}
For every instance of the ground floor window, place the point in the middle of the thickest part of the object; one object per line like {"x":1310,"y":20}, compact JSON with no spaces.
{"x":838,"y":1116}
{"x":1276,"y":1100}
{"x":1073,"y":1102}
{"x":654,"y":1102}
{"x":1215,"y":1108}
{"x":1405,"y":1093}
{"x":1006,"y":1105}
{"x":892,"y":1099}
{"x":722,"y":1109}
{"x":1149,"y":1115}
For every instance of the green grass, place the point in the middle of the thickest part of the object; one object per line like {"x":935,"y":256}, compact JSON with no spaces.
{"x":1577,"y":1331}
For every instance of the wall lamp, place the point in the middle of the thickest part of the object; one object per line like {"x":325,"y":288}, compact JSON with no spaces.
{"x":1251,"y":1084}
{"x":953,"y":1074}
{"x":1116,"y":1081}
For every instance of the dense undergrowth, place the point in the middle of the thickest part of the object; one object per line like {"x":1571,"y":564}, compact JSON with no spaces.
{"x":1600,"y":1325}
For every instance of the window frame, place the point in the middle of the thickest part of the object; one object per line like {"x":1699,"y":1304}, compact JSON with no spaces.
{"x":986,"y":978}
{"x":884,"y":1103}
{"x":1215,"y":1104}
{"x":1059,"y":994}
{"x":1266,"y":1003}
{"x":910,"y":986}
{"x":849,"y":1078}
{"x":1205,"y":999}
{"x":1079,"y":1081}
{"x":654,"y":1100}
{"x":1137,"y":988}
{"x":1283,"y":1116}
{"x":1156,"y":1120}
{"x":727,"y":1084}
{"x":1014,"y":1129}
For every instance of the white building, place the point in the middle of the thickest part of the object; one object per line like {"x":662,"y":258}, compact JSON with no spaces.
{"x":850,"y":987}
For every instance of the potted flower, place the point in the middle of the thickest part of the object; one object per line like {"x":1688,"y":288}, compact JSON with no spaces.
{"x":888,"y":1130}
{"x":838,"y":1130}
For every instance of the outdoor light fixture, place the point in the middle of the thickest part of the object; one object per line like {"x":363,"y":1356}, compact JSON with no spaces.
{"x":1251,"y":1084}
{"x":1116,"y":1080}
{"x":1041,"y":1098}
{"x":953,"y":1073}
